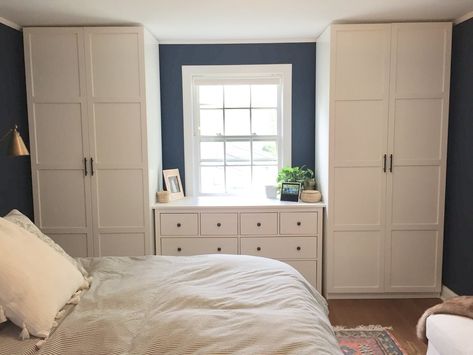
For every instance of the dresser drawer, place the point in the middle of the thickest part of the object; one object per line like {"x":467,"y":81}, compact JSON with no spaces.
{"x":259,"y":223}
{"x":219,"y":223}
{"x":298,"y":223}
{"x":198,"y":246}
{"x":306,"y":268}
{"x":179,"y":224}
{"x":281,"y":247}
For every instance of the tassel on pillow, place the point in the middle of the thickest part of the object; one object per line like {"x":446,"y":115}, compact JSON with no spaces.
{"x":24,"y":333}
{"x":60,"y":314}
{"x":40,"y":343}
{"x":86,"y":284}
{"x":74,"y":300}
{"x":3,"y":318}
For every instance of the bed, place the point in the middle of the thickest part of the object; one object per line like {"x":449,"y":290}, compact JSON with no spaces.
{"x":209,"y":304}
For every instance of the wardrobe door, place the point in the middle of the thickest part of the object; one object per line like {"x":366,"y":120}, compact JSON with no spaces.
{"x":57,"y":111}
{"x":420,"y":74}
{"x":116,"y":106}
{"x":358,"y":134}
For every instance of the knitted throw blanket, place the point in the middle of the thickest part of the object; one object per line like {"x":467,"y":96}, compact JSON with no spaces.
{"x":459,"y":306}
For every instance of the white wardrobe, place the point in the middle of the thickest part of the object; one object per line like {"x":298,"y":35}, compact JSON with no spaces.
{"x":381,"y":135}
{"x":94,"y":121}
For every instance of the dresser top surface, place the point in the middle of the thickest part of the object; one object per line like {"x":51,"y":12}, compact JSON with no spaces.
{"x":232,"y":201}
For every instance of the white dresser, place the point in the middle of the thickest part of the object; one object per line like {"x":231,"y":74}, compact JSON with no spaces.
{"x":286,"y":231}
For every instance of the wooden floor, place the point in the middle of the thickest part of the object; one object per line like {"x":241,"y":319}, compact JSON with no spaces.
{"x":401,"y":314}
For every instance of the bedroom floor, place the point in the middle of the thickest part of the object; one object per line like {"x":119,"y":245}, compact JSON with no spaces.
{"x":401,"y":314}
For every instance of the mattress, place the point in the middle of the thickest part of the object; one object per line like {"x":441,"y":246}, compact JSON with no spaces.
{"x":209,"y":304}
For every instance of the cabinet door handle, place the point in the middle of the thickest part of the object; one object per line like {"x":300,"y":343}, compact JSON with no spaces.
{"x":85,"y":167}
{"x":219,"y":249}
{"x":299,"y":248}
{"x":391,"y":163}
{"x":258,"y":248}
{"x":178,"y":225}
{"x":384,"y":163}
{"x":179,"y":249}
{"x":92,"y":166}
{"x":299,"y":223}
{"x":219,"y":224}
{"x":258,"y":224}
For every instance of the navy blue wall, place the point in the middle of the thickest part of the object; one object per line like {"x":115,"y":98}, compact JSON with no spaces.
{"x":458,"y":245}
{"x":300,"y":55}
{"x":15,"y":173}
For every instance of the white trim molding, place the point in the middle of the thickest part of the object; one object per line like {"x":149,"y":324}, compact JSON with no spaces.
{"x":463,"y":18}
{"x":447,"y":293}
{"x":201,"y":73}
{"x":10,"y":24}
{"x":238,"y":41}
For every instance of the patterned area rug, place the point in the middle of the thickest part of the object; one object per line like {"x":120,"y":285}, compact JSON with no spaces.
{"x":368,"y":340}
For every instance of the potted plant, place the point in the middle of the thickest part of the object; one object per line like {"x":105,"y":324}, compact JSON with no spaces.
{"x":302,"y":175}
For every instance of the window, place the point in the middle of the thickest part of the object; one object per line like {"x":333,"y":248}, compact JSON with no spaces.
{"x":236,"y":127}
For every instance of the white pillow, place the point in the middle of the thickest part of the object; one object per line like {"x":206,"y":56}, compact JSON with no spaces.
{"x":35,"y":280}
{"x":24,"y":222}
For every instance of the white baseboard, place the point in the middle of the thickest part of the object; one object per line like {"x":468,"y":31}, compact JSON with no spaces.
{"x":447,"y":293}
{"x":362,"y":296}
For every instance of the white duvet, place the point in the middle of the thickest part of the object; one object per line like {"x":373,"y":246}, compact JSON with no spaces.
{"x":210,"y":304}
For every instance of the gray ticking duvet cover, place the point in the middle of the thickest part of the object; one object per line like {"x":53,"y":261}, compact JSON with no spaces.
{"x":210,"y":304}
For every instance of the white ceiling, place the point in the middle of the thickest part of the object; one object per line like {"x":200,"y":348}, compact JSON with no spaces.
{"x":176,"y":21}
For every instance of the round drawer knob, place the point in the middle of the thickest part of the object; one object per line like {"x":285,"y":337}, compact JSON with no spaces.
{"x":299,"y":248}
{"x":219,"y":224}
{"x":219,"y":249}
{"x":178,"y":225}
{"x":299,"y":223}
{"x":258,"y":224}
{"x":179,"y":249}
{"x":258,"y":248}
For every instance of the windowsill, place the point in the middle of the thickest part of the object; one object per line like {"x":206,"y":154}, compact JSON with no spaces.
{"x":233,"y":201}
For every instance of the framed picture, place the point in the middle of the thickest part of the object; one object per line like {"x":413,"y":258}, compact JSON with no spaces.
{"x":290,"y":191}
{"x":172,"y":181}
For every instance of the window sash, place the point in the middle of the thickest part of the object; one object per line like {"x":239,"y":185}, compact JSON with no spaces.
{"x":198,"y":138}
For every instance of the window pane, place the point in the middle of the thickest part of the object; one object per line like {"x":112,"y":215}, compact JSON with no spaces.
{"x":212,"y":180}
{"x":264,"y":122}
{"x":211,"y":152}
{"x":237,"y":96}
{"x":211,"y":122}
{"x":265,"y":151}
{"x":264,"y":95}
{"x":237,"y":122}
{"x":211,"y":96}
{"x":238,"y":178}
{"x":264,"y":175}
{"x":238,"y":153}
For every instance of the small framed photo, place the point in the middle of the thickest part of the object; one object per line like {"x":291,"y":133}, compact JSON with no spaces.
{"x":290,"y":191}
{"x":172,"y":181}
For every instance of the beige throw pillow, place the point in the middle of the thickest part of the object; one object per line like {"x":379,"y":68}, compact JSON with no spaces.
{"x":24,"y":222}
{"x":35,"y":280}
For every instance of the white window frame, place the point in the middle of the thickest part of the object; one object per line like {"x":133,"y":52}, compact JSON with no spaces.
{"x":191,"y":73}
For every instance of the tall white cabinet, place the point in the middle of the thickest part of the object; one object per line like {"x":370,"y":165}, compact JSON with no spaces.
{"x":94,"y":120}
{"x":381,"y":133}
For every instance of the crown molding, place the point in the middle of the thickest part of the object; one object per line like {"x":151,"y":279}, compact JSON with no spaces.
{"x":10,"y":24}
{"x":463,"y":18}
{"x":243,"y":41}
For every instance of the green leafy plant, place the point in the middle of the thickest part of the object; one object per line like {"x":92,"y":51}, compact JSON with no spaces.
{"x":302,"y":175}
